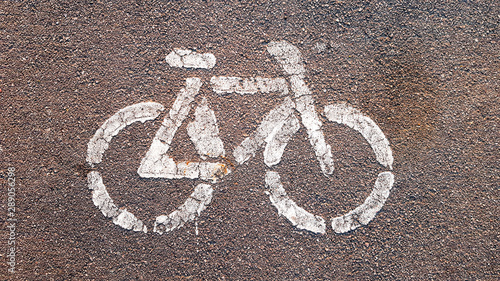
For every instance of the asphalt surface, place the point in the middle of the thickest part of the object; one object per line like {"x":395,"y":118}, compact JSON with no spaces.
{"x":426,"y":73}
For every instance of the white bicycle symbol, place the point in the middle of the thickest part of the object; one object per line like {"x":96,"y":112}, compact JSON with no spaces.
{"x":276,"y":129}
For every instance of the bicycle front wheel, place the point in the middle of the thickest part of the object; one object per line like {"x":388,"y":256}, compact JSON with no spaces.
{"x":364,"y":213}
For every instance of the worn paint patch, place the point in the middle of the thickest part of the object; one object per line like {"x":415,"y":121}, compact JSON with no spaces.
{"x":365,"y":212}
{"x":274,"y":132}
{"x":103,"y":202}
{"x":278,"y":139}
{"x":310,"y":119}
{"x":157,"y":163}
{"x":228,"y":85}
{"x":100,"y":141}
{"x":288,"y":56}
{"x":272,"y":121}
{"x":353,"y":118}
{"x":204,"y":132}
{"x":192,"y":207}
{"x":289,"y":209}
{"x":189,"y":59}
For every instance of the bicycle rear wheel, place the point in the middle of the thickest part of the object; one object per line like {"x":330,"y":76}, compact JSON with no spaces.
{"x":157,"y":163}
{"x":98,"y":145}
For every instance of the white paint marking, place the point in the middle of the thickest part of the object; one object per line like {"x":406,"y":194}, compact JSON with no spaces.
{"x":299,"y":87}
{"x":100,"y":141}
{"x":290,"y":59}
{"x":190,"y":59}
{"x":187,"y":212}
{"x":190,"y":170}
{"x":103,"y":202}
{"x":347,"y":115}
{"x":213,"y":171}
{"x":364,"y":213}
{"x":278,"y":139}
{"x":278,"y":126}
{"x":320,"y":47}
{"x":228,"y":85}
{"x":274,"y":120}
{"x":100,"y":195}
{"x":182,"y":105}
{"x":289,"y":209}
{"x":157,"y":163}
{"x":128,"y":221}
{"x":204,"y":132}
{"x":310,"y":119}
{"x":288,"y":56}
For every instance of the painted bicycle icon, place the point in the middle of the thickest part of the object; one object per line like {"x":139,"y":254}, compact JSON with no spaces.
{"x":273,"y":133}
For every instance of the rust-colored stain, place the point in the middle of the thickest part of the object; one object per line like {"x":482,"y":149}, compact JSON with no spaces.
{"x":221,"y":171}
{"x":228,"y":161}
{"x":412,"y":104}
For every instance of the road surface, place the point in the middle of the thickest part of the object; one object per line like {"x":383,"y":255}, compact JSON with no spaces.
{"x":427,"y":74}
